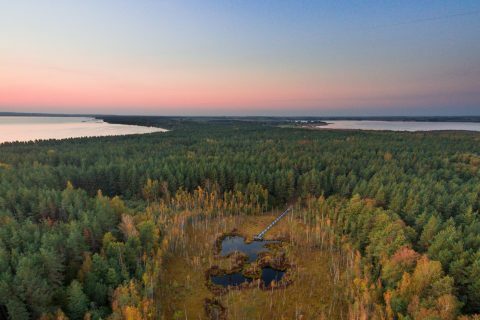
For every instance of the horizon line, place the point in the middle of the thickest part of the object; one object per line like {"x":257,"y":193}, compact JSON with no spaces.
{"x":16,"y":113}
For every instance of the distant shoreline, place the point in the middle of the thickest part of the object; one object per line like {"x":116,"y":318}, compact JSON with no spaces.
{"x":25,"y":129}
{"x":272,"y":119}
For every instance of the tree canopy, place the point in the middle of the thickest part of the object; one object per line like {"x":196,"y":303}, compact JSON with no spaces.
{"x":82,"y":220}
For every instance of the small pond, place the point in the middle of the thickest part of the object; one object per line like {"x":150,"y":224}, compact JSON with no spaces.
{"x":270,"y":274}
{"x":236,"y":243}
{"x":232,"y":280}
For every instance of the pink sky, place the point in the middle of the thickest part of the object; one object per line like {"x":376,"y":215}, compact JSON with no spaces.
{"x":36,"y":87}
{"x":168,"y":58}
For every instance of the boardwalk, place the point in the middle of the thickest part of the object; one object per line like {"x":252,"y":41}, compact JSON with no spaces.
{"x":262,"y":234}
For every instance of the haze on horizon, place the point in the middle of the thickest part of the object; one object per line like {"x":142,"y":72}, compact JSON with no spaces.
{"x":240,"y":57}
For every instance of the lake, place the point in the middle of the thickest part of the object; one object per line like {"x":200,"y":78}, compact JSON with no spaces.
{"x":41,"y":128}
{"x":400,"y":125}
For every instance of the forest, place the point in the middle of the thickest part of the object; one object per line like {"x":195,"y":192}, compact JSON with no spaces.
{"x":86,"y":224}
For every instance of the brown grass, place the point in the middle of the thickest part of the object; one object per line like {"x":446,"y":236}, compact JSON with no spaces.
{"x":312,"y":293}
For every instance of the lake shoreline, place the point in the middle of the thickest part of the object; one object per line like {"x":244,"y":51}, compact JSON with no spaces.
{"x":18,"y":129}
{"x":395,"y":126}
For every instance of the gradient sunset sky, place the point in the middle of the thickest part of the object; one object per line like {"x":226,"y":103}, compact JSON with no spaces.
{"x":240,"y":57}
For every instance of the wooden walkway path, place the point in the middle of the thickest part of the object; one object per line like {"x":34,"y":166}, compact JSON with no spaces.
{"x":262,"y":234}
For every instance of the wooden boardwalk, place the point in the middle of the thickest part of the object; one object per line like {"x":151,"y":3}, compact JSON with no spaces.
{"x":262,"y":234}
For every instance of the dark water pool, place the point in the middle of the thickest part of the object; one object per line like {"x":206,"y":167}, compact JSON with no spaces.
{"x":234,"y":279}
{"x":236,"y":243}
{"x":270,"y":274}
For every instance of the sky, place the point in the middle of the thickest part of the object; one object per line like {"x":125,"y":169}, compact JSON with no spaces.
{"x":249,"y":57}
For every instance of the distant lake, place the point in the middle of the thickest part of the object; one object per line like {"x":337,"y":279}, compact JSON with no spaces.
{"x":400,"y":125}
{"x":40,"y":128}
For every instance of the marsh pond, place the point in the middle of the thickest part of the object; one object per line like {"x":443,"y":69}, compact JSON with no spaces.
{"x":214,"y":270}
{"x":249,"y":252}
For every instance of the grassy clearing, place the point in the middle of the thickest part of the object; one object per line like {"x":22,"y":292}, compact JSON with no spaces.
{"x":312,"y":295}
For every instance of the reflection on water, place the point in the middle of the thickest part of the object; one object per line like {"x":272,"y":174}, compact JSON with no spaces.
{"x":233,"y":279}
{"x":235,"y":243}
{"x":252,"y":249}
{"x":40,"y":128}
{"x":270,"y":274}
{"x":400,"y":125}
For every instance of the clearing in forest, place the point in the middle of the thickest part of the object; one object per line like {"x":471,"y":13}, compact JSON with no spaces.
{"x":291,"y":278}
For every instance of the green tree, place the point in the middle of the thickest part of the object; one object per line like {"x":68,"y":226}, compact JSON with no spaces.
{"x":77,"y":301}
